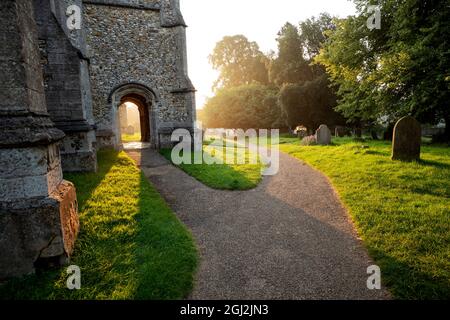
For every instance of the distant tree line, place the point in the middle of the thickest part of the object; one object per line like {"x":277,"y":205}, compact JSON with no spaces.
{"x":338,"y":71}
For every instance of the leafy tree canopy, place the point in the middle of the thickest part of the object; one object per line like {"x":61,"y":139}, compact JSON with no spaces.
{"x":247,"y":106}
{"x":310,"y":104}
{"x":401,"y":69}
{"x":239,"y":62}
{"x":289,"y":66}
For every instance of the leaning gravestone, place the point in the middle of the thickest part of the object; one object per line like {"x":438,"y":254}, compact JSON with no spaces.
{"x":407,"y":139}
{"x":323,"y":135}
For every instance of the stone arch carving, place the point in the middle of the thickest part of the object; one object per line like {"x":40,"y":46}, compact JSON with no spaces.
{"x":133,"y":86}
{"x":146,"y":100}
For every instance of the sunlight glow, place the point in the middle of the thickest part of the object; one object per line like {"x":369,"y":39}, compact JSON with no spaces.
{"x":130,"y":123}
{"x":259,"y":20}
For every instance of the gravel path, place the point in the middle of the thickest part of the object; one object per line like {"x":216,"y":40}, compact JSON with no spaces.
{"x":289,"y":238}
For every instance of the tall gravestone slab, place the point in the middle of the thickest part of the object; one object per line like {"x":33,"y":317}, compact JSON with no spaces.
{"x":38,"y":209}
{"x":323,"y":135}
{"x":407,"y":140}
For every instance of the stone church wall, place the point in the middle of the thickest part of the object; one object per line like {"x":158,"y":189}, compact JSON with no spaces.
{"x":38,"y":209}
{"x":143,"y":45}
{"x":67,"y":84}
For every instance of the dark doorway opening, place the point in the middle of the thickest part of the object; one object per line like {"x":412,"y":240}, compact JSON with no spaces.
{"x":134,"y":121}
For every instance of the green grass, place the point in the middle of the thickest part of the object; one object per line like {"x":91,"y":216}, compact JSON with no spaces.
{"x":223,"y":176}
{"x":131,"y":245}
{"x":131,"y":137}
{"x":401,"y":210}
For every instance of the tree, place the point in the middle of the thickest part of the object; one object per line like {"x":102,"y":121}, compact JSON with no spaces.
{"x":289,"y":66}
{"x":244,"y":107}
{"x":310,"y":104}
{"x":402,"y":69}
{"x":306,"y":96}
{"x":313,"y":34}
{"x":239,"y":62}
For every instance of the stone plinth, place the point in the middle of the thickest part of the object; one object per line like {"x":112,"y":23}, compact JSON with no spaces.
{"x":33,"y":230}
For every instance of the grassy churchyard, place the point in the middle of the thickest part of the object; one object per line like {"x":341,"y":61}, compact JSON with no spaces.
{"x":401,"y":209}
{"x":133,"y":247}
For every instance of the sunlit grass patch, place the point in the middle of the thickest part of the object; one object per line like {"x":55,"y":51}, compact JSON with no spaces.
{"x":131,"y":245}
{"x":131,"y":137}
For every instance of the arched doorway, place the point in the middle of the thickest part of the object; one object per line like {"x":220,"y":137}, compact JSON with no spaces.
{"x":144,"y":100}
{"x":130,"y":122}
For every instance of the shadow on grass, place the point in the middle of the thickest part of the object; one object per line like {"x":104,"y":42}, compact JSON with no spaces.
{"x":435,"y":164}
{"x":130,"y":246}
{"x":166,"y":256}
{"x":406,"y":282}
{"x":376,"y":153}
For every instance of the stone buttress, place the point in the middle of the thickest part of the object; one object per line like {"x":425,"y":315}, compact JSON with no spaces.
{"x":38,"y":209}
{"x":67,"y":85}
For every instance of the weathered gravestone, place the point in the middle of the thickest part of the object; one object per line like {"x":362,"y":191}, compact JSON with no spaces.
{"x":407,"y":139}
{"x":323,"y":135}
{"x":129,"y":130}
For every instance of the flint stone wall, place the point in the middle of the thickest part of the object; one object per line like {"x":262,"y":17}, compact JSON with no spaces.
{"x":67,"y":84}
{"x":140,"y":42}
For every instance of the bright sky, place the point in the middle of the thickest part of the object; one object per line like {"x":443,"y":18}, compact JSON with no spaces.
{"x":259,"y":20}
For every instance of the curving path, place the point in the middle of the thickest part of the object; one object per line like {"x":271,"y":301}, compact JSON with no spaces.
{"x":289,"y":238}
